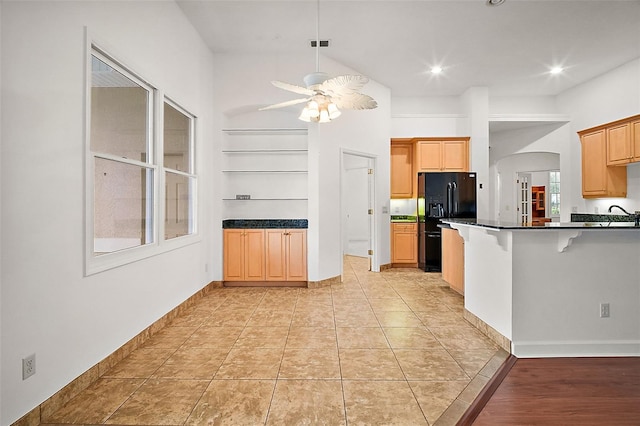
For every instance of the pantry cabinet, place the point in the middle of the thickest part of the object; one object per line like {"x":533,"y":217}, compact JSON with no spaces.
{"x":286,"y":254}
{"x":244,"y":256}
{"x":442,"y":155}
{"x":404,"y":244}
{"x":402,"y":174}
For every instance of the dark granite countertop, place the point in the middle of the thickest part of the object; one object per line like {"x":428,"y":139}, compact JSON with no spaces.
{"x":492,"y":224}
{"x":265,"y":223}
{"x":403,"y":219}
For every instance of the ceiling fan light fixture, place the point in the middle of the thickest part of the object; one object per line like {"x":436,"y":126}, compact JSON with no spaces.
{"x":304,"y":115}
{"x":324,"y":116}
{"x":333,"y":110}
{"x":494,"y":2}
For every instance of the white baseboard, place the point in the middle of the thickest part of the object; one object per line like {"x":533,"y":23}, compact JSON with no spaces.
{"x":542,"y":349}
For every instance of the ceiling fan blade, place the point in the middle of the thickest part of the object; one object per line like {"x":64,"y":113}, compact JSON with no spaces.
{"x":284,"y":104}
{"x":344,"y":84}
{"x":355,"y":101}
{"x":293,"y":88}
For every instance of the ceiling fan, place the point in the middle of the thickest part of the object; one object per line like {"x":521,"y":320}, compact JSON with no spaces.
{"x":325,"y":96}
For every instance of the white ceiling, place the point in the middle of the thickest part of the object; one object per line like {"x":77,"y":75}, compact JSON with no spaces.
{"x":507,"y":48}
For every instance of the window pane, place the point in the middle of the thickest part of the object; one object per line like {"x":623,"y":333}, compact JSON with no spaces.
{"x":119,"y":113}
{"x":123,"y":206}
{"x":178,"y":205}
{"x":177,"y":139}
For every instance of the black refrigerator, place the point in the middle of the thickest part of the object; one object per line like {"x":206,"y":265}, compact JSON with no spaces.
{"x":441,"y":195}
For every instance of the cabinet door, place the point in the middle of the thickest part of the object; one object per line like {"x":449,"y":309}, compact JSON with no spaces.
{"x":598,"y":179}
{"x":296,"y":255}
{"x":635,"y":132}
{"x":619,"y":144}
{"x":404,"y":243}
{"x":254,"y":255}
{"x":594,"y":177}
{"x":233,"y":253}
{"x":402,"y":170}
{"x":455,"y":156}
{"x":276,"y":255}
{"x":429,"y":156}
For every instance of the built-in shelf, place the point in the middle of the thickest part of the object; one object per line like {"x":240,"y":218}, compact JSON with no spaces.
{"x":266,"y":131}
{"x":270,"y":166}
{"x":266,"y":199}
{"x":266,"y":171}
{"x":265,"y":151}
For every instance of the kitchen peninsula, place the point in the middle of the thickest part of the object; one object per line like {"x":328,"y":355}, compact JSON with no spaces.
{"x":564,"y":289}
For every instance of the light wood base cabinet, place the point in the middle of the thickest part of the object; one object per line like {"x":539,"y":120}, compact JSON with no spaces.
{"x":265,"y":255}
{"x":404,"y":244}
{"x":286,"y":251}
{"x":453,"y":259}
{"x":244,"y":258}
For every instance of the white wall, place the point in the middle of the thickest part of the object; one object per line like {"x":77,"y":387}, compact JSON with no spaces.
{"x":48,"y":308}
{"x":606,"y":98}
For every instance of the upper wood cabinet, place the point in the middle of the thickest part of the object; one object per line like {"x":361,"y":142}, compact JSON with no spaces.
{"x":619,"y":147}
{"x":598,"y":179}
{"x":402,"y":174}
{"x":623,"y":140}
{"x":635,"y":137}
{"x":442,"y":155}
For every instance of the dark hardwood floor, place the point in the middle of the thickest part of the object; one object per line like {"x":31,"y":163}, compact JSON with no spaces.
{"x":565,"y":391}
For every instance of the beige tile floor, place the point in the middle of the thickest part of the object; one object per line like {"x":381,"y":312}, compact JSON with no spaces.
{"x":379,"y":349}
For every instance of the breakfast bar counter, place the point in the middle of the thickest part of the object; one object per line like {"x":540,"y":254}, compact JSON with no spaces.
{"x":546,"y":289}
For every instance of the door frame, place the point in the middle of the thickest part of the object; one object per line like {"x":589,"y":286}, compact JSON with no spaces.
{"x":374,"y":262}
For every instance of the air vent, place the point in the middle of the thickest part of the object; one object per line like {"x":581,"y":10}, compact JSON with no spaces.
{"x":323,"y":43}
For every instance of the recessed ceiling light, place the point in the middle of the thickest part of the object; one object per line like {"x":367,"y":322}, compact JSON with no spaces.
{"x":495,"y":2}
{"x":556,"y":70}
{"x":436,"y":70}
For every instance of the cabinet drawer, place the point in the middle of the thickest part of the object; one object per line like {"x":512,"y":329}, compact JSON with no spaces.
{"x":406,"y":227}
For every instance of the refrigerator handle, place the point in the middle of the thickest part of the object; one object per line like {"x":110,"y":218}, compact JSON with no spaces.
{"x":454,"y":199}
{"x":449,"y":196}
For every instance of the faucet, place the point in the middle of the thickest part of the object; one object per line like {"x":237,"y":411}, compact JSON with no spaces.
{"x":636,"y":215}
{"x":615,"y":205}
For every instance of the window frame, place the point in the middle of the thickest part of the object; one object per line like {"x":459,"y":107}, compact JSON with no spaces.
{"x":155,"y":162}
{"x":192,"y":175}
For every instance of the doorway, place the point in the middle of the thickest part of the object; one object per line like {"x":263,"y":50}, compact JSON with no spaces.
{"x":358,"y":189}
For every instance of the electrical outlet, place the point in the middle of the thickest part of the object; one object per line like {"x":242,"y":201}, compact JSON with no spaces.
{"x":604,"y":310}
{"x":28,"y":366}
